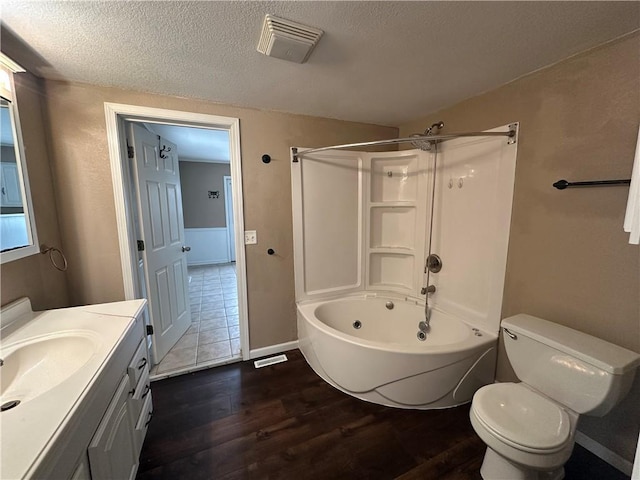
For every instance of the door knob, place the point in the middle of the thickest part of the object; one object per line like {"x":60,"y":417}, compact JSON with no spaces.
{"x":186,"y":249}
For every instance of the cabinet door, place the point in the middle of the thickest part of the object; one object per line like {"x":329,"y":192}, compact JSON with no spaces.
{"x":112,"y":449}
{"x":11,"y":192}
{"x":82,"y":470}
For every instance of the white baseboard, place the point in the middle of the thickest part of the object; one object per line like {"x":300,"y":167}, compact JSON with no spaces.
{"x":207,"y":262}
{"x":273,"y":349}
{"x":600,"y":451}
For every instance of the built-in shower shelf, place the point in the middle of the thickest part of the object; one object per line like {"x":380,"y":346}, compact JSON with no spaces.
{"x":393,"y":227}
{"x":396,"y":220}
{"x":392,"y":204}
{"x":391,"y":267}
{"x":392,"y":249}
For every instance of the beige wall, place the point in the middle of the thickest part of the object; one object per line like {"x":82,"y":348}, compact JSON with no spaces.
{"x":34,"y":276}
{"x":196,"y":180}
{"x":87,"y":213}
{"x":569,"y":260}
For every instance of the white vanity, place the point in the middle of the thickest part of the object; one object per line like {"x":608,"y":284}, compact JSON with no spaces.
{"x":81,"y":377}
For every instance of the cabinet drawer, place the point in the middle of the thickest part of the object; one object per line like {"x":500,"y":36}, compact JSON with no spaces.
{"x":139,"y":396}
{"x":138,"y":363}
{"x":143,"y":423}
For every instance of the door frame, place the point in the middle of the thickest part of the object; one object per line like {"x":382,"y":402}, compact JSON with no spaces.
{"x":116,"y":115}
{"x":228,"y":213}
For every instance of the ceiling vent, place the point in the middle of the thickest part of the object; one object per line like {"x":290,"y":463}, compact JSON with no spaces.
{"x":287,"y":40}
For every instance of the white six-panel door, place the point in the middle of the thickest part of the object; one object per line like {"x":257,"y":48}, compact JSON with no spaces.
{"x":160,"y":214}
{"x":231,"y":228}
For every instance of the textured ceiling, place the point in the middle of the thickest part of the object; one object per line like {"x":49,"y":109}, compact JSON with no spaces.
{"x":199,"y":144}
{"x":378,"y":62}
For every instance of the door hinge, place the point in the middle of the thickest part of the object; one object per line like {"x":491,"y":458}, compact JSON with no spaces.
{"x":149,"y":329}
{"x":141,"y":245}
{"x":129,"y":150}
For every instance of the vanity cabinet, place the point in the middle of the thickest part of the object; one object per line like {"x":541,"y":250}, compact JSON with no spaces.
{"x":116,"y":445}
{"x":102,"y":437}
{"x":82,"y":472}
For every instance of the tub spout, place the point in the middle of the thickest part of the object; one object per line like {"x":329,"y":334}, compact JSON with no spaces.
{"x":425,"y":325}
{"x":429,"y":289}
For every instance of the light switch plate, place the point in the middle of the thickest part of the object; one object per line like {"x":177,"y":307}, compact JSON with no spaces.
{"x":250,"y":237}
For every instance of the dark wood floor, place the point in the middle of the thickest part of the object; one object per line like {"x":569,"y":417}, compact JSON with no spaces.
{"x":284,"y":422}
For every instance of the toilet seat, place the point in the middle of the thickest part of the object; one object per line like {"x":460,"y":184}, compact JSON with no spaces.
{"x":522,"y":418}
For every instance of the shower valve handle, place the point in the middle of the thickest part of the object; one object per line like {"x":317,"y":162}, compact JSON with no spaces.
{"x":433,"y":263}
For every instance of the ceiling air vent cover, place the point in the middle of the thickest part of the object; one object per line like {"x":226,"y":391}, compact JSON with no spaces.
{"x":287,"y":40}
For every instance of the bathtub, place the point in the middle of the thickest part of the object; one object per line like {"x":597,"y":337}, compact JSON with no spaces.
{"x":371,"y":352}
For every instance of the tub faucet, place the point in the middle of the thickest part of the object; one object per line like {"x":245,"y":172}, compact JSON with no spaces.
{"x":429,"y":289}
{"x":425,"y":326}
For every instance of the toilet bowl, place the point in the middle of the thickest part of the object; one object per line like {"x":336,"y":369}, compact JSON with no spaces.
{"x":529,"y":427}
{"x":529,"y":434}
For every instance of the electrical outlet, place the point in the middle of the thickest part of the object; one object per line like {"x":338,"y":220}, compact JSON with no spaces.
{"x":250,"y":237}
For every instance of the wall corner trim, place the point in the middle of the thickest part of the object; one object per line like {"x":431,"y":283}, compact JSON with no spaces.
{"x":273,"y":349}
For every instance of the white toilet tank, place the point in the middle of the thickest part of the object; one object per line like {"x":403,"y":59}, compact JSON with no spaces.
{"x":584,"y":373}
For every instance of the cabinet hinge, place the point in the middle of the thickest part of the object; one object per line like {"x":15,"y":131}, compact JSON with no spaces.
{"x":149,"y":329}
{"x":140,"y":245}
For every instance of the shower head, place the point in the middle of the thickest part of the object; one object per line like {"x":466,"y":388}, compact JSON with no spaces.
{"x":437,"y":125}
{"x":425,"y":145}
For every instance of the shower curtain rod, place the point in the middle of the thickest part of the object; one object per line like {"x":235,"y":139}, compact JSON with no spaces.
{"x":431,"y":138}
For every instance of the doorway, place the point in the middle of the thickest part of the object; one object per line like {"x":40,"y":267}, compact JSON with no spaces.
{"x":225,"y":283}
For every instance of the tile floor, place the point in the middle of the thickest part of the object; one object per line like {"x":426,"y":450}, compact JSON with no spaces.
{"x":214,"y":335}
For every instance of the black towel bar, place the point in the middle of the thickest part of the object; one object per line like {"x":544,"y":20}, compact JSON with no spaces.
{"x":562,"y":184}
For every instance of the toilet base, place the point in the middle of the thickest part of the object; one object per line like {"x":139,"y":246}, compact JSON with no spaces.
{"x":496,"y":467}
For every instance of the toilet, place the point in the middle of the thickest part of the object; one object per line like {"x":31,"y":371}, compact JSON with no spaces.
{"x":529,"y":427}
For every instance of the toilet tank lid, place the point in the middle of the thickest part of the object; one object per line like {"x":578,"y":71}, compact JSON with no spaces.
{"x":602,"y":354}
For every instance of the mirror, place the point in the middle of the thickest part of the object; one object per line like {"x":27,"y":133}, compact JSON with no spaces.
{"x":18,"y":236}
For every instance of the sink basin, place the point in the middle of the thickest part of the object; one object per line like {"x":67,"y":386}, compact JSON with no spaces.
{"x":35,"y":366}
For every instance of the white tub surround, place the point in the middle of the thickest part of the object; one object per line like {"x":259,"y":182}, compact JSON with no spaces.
{"x":69,"y":362}
{"x":362,"y":223}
